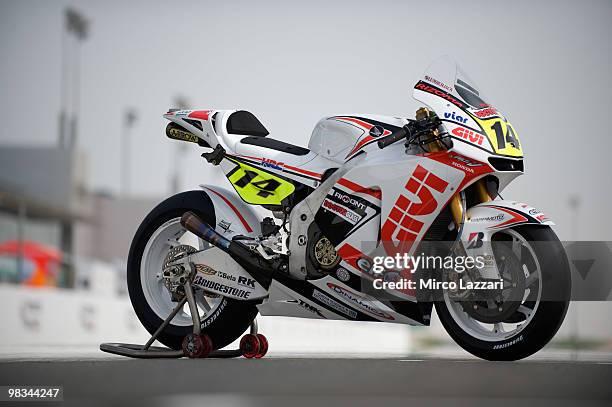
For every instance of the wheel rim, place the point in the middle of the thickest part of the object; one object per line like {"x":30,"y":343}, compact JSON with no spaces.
{"x":492,"y":332}
{"x":168,"y":235}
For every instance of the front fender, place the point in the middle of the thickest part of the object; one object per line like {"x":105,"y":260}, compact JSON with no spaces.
{"x":233,"y":216}
{"x":485,"y":219}
{"x":499,"y":215}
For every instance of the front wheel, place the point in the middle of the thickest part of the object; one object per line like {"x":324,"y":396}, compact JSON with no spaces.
{"x":531,"y":259}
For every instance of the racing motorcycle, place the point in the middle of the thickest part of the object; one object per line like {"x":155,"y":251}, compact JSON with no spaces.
{"x":297,"y":230}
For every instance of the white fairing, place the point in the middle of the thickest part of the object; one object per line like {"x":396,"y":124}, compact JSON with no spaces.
{"x":223,"y":275}
{"x":486,"y":219}
{"x":333,"y":139}
{"x":233,"y":216}
{"x":338,"y":138}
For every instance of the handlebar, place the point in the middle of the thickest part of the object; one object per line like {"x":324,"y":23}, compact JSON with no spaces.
{"x":411,"y":131}
{"x":396,"y":136}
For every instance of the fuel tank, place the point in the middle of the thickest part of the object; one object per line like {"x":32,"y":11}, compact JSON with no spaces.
{"x":339,"y":138}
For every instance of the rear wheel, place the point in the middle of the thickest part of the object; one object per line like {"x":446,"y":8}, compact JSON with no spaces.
{"x":533,"y":264}
{"x":222,"y":319}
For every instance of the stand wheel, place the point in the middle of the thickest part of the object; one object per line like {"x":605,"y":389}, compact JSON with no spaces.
{"x":197,"y":346}
{"x":249,"y":346}
{"x":263,"y":346}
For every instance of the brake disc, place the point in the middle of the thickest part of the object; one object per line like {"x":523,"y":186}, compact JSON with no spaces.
{"x":498,"y":305}
{"x":176,"y":275}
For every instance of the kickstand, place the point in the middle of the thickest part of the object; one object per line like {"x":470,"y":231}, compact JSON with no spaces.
{"x":147,"y":351}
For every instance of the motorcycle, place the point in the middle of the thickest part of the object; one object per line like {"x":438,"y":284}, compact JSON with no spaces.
{"x":367,"y":187}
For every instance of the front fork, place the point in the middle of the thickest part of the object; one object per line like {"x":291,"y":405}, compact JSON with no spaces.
{"x":474,"y":245}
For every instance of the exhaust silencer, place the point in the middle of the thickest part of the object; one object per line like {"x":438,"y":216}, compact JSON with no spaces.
{"x":258,"y":267}
{"x":203,"y":230}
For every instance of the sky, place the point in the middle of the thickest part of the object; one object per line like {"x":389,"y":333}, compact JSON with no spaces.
{"x":545,"y":64}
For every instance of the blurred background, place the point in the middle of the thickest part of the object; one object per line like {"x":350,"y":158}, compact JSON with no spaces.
{"x":83,"y":155}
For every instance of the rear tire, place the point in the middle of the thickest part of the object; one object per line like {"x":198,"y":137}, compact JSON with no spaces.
{"x":547,"y":317}
{"x":226,"y":322}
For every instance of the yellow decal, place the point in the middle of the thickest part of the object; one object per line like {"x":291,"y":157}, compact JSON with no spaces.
{"x":502,"y":135}
{"x":259,"y":187}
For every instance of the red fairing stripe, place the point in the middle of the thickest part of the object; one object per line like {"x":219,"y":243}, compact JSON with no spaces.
{"x":366,"y":140}
{"x":305,"y":172}
{"x":289,"y":167}
{"x":233,"y":208}
{"x":516,"y":217}
{"x":350,"y":255}
{"x":358,"y":188}
{"x":200,"y":114}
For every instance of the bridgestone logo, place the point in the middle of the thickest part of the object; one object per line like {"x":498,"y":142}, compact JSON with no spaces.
{"x":508,"y":344}
{"x":220,"y":288}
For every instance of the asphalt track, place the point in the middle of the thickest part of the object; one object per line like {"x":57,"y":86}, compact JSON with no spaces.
{"x":315,"y":381}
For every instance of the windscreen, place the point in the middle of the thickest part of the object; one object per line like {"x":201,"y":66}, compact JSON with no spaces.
{"x":469,"y":117}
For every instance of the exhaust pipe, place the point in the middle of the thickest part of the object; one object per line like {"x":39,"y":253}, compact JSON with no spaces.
{"x":203,"y":230}
{"x":260,"y":268}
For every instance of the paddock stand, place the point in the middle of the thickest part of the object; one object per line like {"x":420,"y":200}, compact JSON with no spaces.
{"x":196,"y":344}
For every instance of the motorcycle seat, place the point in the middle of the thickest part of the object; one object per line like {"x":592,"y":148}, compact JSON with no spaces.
{"x":273,"y":144}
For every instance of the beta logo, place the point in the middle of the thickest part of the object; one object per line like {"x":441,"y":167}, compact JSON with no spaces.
{"x":455,"y":117}
{"x":468,"y":135}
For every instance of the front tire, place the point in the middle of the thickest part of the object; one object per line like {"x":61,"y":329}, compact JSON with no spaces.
{"x":223,"y":323}
{"x":543,"y":314}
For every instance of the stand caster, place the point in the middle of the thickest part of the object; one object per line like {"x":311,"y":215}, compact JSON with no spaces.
{"x":197,"y":346}
{"x":253,"y":346}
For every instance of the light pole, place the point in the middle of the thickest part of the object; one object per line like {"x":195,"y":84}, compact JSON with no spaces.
{"x":76,"y":30}
{"x":129,"y":118}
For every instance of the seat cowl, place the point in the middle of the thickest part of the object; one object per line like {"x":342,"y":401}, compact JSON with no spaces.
{"x":245,"y":123}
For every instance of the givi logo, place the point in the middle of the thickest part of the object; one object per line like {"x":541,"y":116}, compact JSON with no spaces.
{"x":403,"y":225}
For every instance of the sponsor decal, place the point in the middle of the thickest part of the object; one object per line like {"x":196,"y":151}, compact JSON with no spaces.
{"x":246,"y":282}
{"x":455,"y":117}
{"x":343,"y":274}
{"x":318,"y":295}
{"x":215,"y":315}
{"x":403,"y":224}
{"x":179,"y":134}
{"x":475,"y":240}
{"x":267,"y":163}
{"x":438,"y":83}
{"x":461,"y":166}
{"x":225,"y":225}
{"x":377,"y":131}
{"x":495,"y":218}
{"x":486,"y":112}
{"x":341,"y":211}
{"x":307,"y":306}
{"x":358,"y":300}
{"x":438,"y":92}
{"x":346,"y":199}
{"x":364,"y":264}
{"x":468,"y":135}
{"x":204,"y":269}
{"x":507,"y":344}
{"x":220,"y":288}
{"x":465,"y":160}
